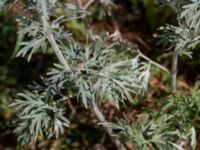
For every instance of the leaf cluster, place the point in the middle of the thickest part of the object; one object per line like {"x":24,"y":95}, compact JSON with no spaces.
{"x":185,"y":36}
{"x":38,"y":115}
{"x":38,"y":24}
{"x":165,"y":129}
{"x":104,"y":72}
{"x":98,"y":71}
{"x":147,"y":132}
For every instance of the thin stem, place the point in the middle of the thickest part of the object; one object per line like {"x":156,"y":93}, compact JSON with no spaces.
{"x":86,"y":22}
{"x":101,"y":118}
{"x":53,"y":43}
{"x":88,"y":4}
{"x":174,"y":71}
{"x":57,"y":51}
{"x":153,"y":62}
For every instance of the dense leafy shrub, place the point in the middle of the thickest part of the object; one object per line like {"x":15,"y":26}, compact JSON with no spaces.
{"x":101,"y":70}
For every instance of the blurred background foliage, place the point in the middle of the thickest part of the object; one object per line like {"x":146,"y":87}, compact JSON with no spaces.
{"x":138,"y":21}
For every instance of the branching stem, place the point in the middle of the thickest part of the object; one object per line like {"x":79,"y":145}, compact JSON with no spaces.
{"x":153,"y":62}
{"x":174,"y":71}
{"x":88,"y":4}
{"x":86,"y":22}
{"x":57,"y":51}
{"x":101,"y":118}
{"x":53,"y":43}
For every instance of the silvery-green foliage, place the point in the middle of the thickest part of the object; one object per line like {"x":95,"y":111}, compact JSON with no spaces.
{"x":186,"y":36}
{"x":179,"y":38}
{"x":106,"y":73}
{"x":39,"y":115}
{"x":176,"y":106}
{"x":188,"y":102}
{"x":191,"y":15}
{"x":163,"y":130}
{"x":38,"y":34}
{"x":59,"y":77}
{"x":148,"y":131}
{"x":37,"y":26}
{"x":41,"y":110}
{"x":97,"y":71}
